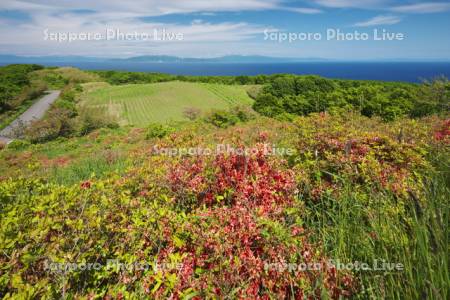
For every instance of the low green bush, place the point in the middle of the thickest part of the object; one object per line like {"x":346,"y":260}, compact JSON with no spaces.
{"x":156,"y":130}
{"x":18,"y":145}
{"x":57,"y":123}
{"x":226,"y":118}
{"x":244,"y":113}
{"x":222,"y":118}
{"x":90,"y":120}
{"x":43,"y":130}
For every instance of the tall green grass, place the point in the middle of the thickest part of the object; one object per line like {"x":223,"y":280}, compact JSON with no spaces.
{"x":87,"y":168}
{"x":363,"y":226}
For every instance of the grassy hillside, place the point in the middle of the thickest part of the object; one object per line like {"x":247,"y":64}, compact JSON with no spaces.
{"x":141,"y":104}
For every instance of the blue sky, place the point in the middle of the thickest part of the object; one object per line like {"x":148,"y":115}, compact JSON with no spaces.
{"x":212,"y":28}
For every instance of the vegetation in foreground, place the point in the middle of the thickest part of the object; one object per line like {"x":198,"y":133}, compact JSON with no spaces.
{"x":81,"y":192}
{"x":353,"y":190}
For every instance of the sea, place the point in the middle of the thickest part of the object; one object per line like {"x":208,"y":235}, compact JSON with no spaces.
{"x":385,"y":71}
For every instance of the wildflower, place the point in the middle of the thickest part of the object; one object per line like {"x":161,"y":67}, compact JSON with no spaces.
{"x":86,"y":185}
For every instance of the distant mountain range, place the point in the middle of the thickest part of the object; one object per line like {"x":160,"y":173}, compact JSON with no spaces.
{"x":56,"y":60}
{"x":13,"y":59}
{"x":222,"y":59}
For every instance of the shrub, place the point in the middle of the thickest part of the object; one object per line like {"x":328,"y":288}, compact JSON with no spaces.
{"x":57,"y":123}
{"x":244,"y":113}
{"x":268,"y":105}
{"x":443,"y":132}
{"x":67,"y":106}
{"x":192,"y":113}
{"x":74,"y":75}
{"x":227,"y":118}
{"x":55,"y":80}
{"x":16,"y":86}
{"x":35,"y":90}
{"x":18,"y":131}
{"x":91,"y":119}
{"x":43,"y":130}
{"x":236,"y":237}
{"x":65,"y":120}
{"x":433,"y":97}
{"x":222,"y":118}
{"x":18,"y":145}
{"x":254,"y":91}
{"x":156,"y":130}
{"x":230,"y":225}
{"x":251,"y":180}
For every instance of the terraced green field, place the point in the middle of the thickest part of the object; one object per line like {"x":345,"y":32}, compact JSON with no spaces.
{"x":141,"y":104}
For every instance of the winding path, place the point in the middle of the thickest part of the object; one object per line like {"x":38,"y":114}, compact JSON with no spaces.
{"x":35,"y":112}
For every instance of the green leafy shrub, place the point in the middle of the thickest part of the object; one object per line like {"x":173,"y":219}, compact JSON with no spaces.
{"x":91,"y":119}
{"x":43,"y":130}
{"x":55,"y":81}
{"x":67,"y":106}
{"x":243,"y":113}
{"x":156,"y":130}
{"x":67,"y":101}
{"x":16,"y":86}
{"x":254,"y":91}
{"x":18,"y":144}
{"x":222,"y":118}
{"x":57,"y":122}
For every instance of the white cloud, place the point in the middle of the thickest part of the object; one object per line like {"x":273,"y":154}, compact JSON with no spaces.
{"x":422,"y":8}
{"x":387,"y":5}
{"x":303,"y":10}
{"x":350,"y":3}
{"x":143,"y":7}
{"x":155,"y":7}
{"x":199,"y":36}
{"x":379,"y":20}
{"x":28,"y":38}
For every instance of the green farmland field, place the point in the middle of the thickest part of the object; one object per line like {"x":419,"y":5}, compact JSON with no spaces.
{"x":141,"y":104}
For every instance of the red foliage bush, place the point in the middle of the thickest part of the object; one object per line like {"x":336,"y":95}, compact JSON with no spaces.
{"x":228,"y":245}
{"x":443,"y":133}
{"x":236,"y":179}
{"x":229,"y":251}
{"x":359,"y":160}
